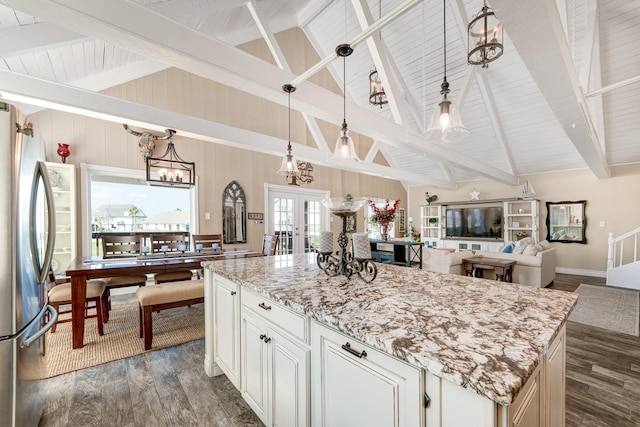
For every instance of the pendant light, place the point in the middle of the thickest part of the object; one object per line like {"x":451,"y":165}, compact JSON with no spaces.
{"x":485,"y":38}
{"x":445,"y":123}
{"x":344,"y":145}
{"x":169,"y":170}
{"x":289,"y":165}
{"x":377,"y":96}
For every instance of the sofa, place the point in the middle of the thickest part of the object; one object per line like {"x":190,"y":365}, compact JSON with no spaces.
{"x":537,"y":270}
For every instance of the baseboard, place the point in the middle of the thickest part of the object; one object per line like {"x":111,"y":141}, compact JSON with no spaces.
{"x":581,"y":272}
{"x":211,"y":369}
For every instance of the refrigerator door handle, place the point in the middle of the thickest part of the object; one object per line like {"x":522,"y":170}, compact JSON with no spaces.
{"x":53,"y":318}
{"x":42,"y":271}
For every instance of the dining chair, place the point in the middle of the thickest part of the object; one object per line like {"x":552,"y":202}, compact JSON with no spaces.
{"x":60,"y":295}
{"x":269,"y":244}
{"x":206,"y":240}
{"x":173,"y":243}
{"x":119,"y":247}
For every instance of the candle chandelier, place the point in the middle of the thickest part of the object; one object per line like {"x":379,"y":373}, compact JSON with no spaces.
{"x":377,"y":96}
{"x":170,"y":170}
{"x":485,"y":38}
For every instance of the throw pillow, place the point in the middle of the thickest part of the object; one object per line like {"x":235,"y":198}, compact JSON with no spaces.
{"x":530,"y":250}
{"x":545,"y":244}
{"x":508,"y":248}
{"x":540,"y":248}
{"x":521,"y":244}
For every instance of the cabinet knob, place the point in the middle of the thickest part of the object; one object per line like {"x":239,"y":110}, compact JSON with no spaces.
{"x":264,"y":306}
{"x":264,"y":338}
{"x":348,"y":348}
{"x":233,"y":293}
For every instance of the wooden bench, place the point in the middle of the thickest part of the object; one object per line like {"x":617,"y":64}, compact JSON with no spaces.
{"x":163,"y":297}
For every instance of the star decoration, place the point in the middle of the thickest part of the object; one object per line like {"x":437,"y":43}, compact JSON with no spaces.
{"x":475,"y":195}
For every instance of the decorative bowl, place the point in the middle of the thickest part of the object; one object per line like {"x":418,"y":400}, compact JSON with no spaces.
{"x":344,"y":204}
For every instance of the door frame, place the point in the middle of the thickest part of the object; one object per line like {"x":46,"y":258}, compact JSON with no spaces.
{"x":295,"y":191}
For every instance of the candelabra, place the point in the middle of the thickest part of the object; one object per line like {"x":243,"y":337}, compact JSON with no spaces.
{"x":342,"y":262}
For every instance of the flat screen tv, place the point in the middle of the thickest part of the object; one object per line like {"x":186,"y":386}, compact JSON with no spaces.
{"x":474,"y":222}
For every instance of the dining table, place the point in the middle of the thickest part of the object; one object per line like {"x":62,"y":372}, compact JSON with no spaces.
{"x":85,"y":268}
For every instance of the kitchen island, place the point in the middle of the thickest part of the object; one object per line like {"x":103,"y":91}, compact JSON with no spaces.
{"x":445,"y":349}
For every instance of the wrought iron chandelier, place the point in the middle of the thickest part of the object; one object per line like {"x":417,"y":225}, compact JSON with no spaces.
{"x":170,"y":170}
{"x":485,"y":38}
{"x":377,"y":96}
{"x":445,"y":122}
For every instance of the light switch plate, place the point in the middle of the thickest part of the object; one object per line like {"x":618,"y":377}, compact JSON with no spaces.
{"x":207,"y":215}
{"x":602,"y":224}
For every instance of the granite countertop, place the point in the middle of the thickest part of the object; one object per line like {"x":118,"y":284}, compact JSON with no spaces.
{"x":484,"y":335}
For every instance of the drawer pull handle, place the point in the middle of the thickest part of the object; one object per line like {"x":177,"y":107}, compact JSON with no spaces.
{"x":264,"y":306}
{"x":348,"y":348}
{"x":264,"y":338}
{"x":233,"y":293}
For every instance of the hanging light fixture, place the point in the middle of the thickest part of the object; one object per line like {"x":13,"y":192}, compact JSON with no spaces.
{"x":289,"y":166}
{"x":445,"y":122}
{"x":377,"y":96}
{"x":485,"y":38}
{"x":344,"y":145}
{"x":170,"y":170}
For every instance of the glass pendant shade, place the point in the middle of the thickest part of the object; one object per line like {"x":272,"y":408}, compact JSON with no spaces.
{"x":345,"y":149}
{"x":445,"y":123}
{"x":289,"y":165}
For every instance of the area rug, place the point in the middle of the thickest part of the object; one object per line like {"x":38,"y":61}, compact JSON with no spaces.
{"x":608,"y":308}
{"x":121,"y":337}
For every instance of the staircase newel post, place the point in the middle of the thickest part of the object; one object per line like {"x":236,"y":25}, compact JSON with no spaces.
{"x":610,"y":252}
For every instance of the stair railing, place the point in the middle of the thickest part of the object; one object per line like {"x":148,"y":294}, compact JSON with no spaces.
{"x":619,"y":242}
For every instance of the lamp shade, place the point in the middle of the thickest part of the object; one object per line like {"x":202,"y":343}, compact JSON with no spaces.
{"x":289,"y":165}
{"x":447,"y":129}
{"x":345,"y":149}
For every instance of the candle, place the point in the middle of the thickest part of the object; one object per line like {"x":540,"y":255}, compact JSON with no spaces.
{"x":361,"y":246}
{"x":199,"y":246}
{"x":410,"y":219}
{"x":182,"y":248}
{"x":215,"y":246}
{"x":326,"y":242}
{"x":145,"y":249}
{"x":164,"y":248}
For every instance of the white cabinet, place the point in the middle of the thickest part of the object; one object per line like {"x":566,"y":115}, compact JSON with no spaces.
{"x":431,"y":225}
{"x":521,"y":219}
{"x":226,"y":328}
{"x":356,"y":385}
{"x":63,"y":182}
{"x":275,"y":362}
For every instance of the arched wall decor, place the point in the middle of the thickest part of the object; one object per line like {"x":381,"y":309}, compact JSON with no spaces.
{"x":234,"y":214}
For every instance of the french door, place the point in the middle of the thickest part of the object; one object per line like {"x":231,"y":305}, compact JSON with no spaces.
{"x":296,"y":216}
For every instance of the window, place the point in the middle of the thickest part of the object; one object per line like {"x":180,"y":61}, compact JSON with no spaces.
{"x":120,"y":201}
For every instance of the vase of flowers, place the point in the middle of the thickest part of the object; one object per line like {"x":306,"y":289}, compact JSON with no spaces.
{"x":384,"y":217}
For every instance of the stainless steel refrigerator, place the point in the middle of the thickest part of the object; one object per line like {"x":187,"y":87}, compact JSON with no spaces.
{"x":27,"y":237}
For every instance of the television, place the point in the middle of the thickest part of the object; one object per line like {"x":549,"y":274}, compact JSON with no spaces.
{"x":474,"y":222}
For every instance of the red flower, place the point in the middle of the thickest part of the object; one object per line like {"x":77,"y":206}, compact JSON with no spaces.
{"x":383,"y":216}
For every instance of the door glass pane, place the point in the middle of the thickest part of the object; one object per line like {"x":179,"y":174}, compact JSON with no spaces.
{"x":283,"y":209}
{"x":311,"y":225}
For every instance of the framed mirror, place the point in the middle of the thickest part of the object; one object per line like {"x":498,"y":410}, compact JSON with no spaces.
{"x":234,"y":214}
{"x":566,"y":222}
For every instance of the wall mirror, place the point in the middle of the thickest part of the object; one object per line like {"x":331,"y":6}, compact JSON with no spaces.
{"x":234,"y":214}
{"x":566,"y":222}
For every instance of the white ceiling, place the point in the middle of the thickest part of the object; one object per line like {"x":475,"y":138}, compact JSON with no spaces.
{"x":563,"y":96}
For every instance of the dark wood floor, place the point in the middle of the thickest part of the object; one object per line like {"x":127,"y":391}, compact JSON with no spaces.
{"x":169,"y":387}
{"x":603,"y":370}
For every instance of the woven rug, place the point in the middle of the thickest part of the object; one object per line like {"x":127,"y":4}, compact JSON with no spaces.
{"x":121,"y":337}
{"x":608,"y":308}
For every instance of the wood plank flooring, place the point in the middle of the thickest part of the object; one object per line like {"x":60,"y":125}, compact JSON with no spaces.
{"x":603,"y":370}
{"x":169,"y":387}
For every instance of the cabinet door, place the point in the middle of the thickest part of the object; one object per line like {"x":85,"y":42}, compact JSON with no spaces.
{"x":254,"y":387}
{"x":372,"y":390}
{"x":555,"y":381}
{"x":289,"y":382}
{"x":226,"y":314}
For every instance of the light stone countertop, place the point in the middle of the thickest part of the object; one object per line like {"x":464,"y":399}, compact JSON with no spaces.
{"x":484,"y":335}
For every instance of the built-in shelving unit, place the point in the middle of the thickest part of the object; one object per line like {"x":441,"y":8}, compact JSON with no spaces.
{"x":63,"y":182}
{"x":521,"y":219}
{"x":431,"y":225}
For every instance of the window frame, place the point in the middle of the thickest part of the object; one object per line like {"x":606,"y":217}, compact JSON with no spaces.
{"x":87,"y":170}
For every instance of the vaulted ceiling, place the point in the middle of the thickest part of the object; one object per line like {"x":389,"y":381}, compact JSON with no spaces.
{"x":563,"y":96}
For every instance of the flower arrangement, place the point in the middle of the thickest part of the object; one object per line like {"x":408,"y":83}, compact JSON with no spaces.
{"x":415,"y":235}
{"x":384,"y":216}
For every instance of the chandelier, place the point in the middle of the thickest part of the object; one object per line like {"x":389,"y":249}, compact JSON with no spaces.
{"x":170,"y":170}
{"x":485,"y":38}
{"x":377,"y":96}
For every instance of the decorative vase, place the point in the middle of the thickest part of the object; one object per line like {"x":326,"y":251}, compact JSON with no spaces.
{"x":63,"y":152}
{"x":384,"y":232}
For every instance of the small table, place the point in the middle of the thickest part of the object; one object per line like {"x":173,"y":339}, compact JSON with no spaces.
{"x":404,"y":253}
{"x":473,"y":266}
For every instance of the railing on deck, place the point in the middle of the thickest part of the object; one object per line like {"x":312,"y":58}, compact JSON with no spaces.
{"x":615,"y":255}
